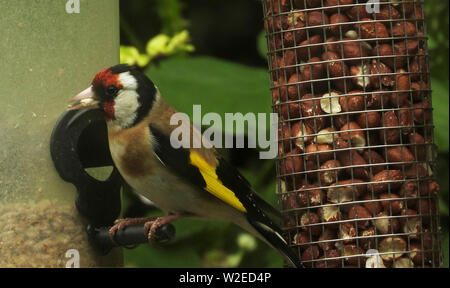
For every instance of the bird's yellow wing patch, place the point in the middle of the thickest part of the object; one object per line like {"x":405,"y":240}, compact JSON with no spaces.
{"x":213,"y":183}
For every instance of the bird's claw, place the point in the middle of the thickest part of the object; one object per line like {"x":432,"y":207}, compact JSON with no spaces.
{"x":121,"y":224}
{"x":153,"y":225}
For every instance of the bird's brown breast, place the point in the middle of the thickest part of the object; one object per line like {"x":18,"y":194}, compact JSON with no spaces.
{"x":131,"y":150}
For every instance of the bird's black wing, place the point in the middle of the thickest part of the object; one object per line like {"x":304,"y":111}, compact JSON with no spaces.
{"x":191,"y":166}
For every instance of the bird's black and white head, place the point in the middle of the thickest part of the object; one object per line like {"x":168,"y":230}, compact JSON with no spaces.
{"x":122,"y":92}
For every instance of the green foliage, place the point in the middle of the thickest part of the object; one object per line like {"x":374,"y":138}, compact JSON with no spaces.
{"x":131,"y":56}
{"x":440,"y":112}
{"x":219,"y":86}
{"x":164,"y":45}
{"x":157,"y":47}
{"x":445,"y":251}
{"x":177,"y":254}
{"x":170,"y":14}
{"x":437,"y":18}
{"x":262,"y":44}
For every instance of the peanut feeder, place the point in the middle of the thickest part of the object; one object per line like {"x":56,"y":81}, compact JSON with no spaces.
{"x":350,"y":82}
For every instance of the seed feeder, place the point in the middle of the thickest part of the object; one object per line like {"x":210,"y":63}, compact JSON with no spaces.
{"x":45,"y":61}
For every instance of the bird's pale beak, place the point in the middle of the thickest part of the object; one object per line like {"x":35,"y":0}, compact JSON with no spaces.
{"x":85,"y":100}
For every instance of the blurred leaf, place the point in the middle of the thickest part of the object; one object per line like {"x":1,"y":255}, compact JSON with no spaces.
{"x":262,"y":44}
{"x":163,"y":45}
{"x":437,"y":19}
{"x":442,"y":178}
{"x":432,"y":44}
{"x":167,"y":256}
{"x":131,"y":56}
{"x":233,"y":260}
{"x":179,"y":41}
{"x":170,"y":14}
{"x":217,"y":85}
{"x":443,"y":208}
{"x":273,"y":259}
{"x":157,"y":45}
{"x":445,"y":248}
{"x":187,"y":227}
{"x":246,"y":242}
{"x":214,"y":258}
{"x":440,"y":114}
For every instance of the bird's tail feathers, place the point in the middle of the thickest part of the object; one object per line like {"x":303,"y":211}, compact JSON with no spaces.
{"x":274,"y":238}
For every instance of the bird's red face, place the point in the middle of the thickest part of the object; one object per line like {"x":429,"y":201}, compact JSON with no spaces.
{"x":124,"y":94}
{"x":106,"y":85}
{"x":101,"y":94}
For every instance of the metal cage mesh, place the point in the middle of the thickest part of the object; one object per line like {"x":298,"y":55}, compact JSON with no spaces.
{"x":351,"y":83}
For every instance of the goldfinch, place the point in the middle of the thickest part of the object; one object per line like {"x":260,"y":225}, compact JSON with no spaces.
{"x":185,"y":182}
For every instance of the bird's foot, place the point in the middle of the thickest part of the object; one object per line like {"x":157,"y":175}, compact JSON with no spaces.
{"x":152,"y":225}
{"x":121,"y":224}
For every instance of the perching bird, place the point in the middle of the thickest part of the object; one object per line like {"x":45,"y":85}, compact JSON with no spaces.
{"x":185,"y":182}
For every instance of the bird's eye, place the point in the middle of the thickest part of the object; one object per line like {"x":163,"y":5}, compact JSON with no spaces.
{"x":111,"y":90}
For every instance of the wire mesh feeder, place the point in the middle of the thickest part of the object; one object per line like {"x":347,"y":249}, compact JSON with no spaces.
{"x":350,"y":81}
